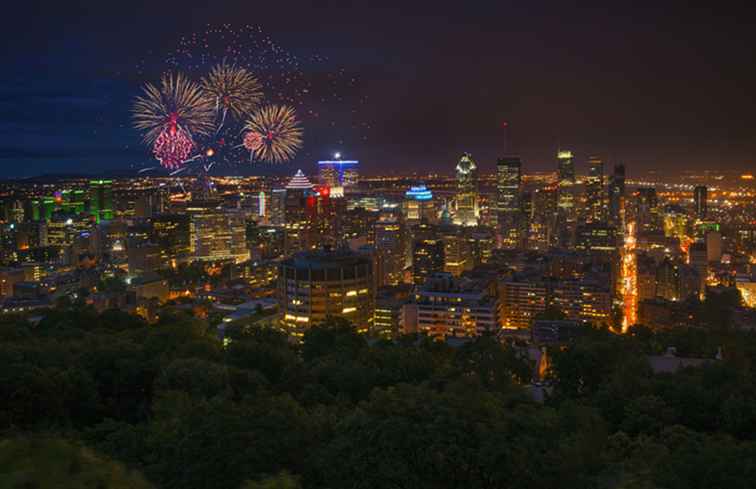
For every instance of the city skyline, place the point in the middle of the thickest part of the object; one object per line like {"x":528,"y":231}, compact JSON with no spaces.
{"x":291,"y":245}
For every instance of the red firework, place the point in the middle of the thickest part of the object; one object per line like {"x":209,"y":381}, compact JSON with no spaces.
{"x":172,"y":147}
{"x":253,"y":141}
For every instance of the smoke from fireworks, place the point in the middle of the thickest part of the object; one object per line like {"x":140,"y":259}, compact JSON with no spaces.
{"x":234,"y":89}
{"x":273,"y":134}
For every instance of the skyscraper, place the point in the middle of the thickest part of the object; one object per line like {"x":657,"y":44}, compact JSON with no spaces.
{"x":428,"y":253}
{"x":566,"y":212}
{"x":313,"y":286}
{"x":299,"y":213}
{"x":389,"y":248}
{"x":338,"y":172}
{"x":700,"y":197}
{"x":509,"y":206}
{"x":467,"y":192}
{"x":418,"y":205}
{"x":617,"y":198}
{"x":594,"y":191}
{"x":647,"y":214}
{"x":101,"y":199}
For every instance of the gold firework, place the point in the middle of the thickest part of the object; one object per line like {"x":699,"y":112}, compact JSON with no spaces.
{"x":234,"y":89}
{"x":279,"y":133}
{"x":179,"y":104}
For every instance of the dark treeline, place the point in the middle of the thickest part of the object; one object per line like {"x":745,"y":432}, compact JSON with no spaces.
{"x":111,"y":399}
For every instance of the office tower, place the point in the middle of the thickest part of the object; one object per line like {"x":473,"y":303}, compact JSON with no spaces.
{"x":566,"y":218}
{"x":277,"y":207}
{"x":313,"y":286}
{"x":583,"y":300}
{"x":713,"y":246}
{"x":699,"y":260}
{"x":418,"y":206}
{"x":339,"y":173}
{"x":700,"y":197}
{"x":390,"y":301}
{"x":457,"y":255}
{"x":617,"y":199}
{"x":676,"y":281}
{"x":390,"y":249}
{"x":172,"y":233}
{"x":481,"y":242}
{"x":40,"y":209}
{"x":221,"y":236}
{"x":543,"y":217}
{"x":217,"y":233}
{"x":675,"y":221}
{"x":647,"y":216}
{"x":467,"y":211}
{"x":265,"y":242}
{"x":458,"y":308}
{"x":74,"y":201}
{"x":594,"y":191}
{"x":111,"y":240}
{"x":300,"y":210}
{"x":101,"y":199}
{"x":522,"y":301}
{"x":509,"y":205}
{"x":427,"y":258}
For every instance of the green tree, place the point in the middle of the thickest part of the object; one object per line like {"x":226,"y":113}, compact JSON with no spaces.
{"x":50,"y":463}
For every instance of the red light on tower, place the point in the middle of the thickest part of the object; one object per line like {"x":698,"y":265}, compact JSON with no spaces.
{"x":311,"y":201}
{"x":324,"y":191}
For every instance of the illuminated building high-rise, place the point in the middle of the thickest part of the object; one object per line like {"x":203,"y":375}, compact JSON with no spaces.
{"x":542,"y":226}
{"x":594,"y":191}
{"x":277,"y":208}
{"x":339,"y":173}
{"x":467,"y":211}
{"x":509,"y":206}
{"x":172,"y":233}
{"x":418,"y":205}
{"x":457,"y":254}
{"x":451,"y":307}
{"x":101,"y":199}
{"x":220,"y":234}
{"x":566,"y":211}
{"x":617,"y":198}
{"x":313,"y":286}
{"x":300,"y":209}
{"x":700,"y":197}
{"x":647,"y":213}
{"x":390,"y":249}
{"x":428,"y":254}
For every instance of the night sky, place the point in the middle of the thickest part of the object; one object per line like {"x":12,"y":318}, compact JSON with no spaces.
{"x":662,"y":87}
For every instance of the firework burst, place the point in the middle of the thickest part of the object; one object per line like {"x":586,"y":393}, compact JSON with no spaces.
{"x":234,"y":89}
{"x":178,"y":105}
{"x":172,"y":148}
{"x":273,"y":134}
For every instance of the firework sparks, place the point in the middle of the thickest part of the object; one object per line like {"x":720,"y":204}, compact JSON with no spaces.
{"x":253,"y":141}
{"x":274,"y":134}
{"x":172,"y":148}
{"x":178,"y":105}
{"x":234,"y":89}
